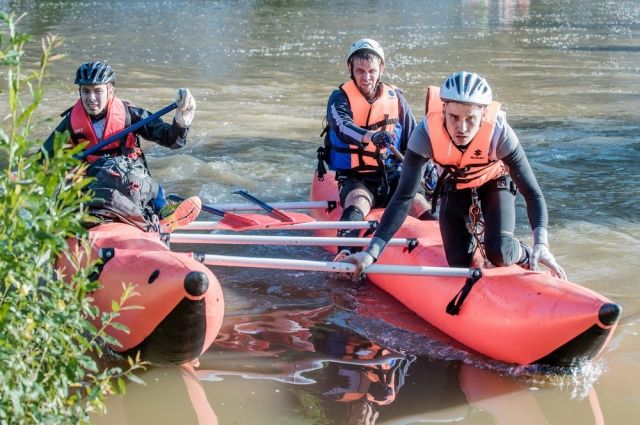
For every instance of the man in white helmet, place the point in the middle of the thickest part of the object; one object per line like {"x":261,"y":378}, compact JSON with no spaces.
{"x":365,"y":117}
{"x":123,"y":187}
{"x":466,"y":133}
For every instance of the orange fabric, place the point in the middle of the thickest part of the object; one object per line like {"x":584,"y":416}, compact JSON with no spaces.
{"x":474,"y":165}
{"x":115,"y":122}
{"x":138,"y":256}
{"x":511,"y":314}
{"x":383,"y":114}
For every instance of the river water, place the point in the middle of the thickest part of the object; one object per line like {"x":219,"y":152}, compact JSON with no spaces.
{"x":290,"y":351}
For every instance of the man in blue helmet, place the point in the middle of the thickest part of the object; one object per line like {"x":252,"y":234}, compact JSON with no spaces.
{"x":365,"y":118}
{"x":124,"y":189}
{"x":467,"y":135}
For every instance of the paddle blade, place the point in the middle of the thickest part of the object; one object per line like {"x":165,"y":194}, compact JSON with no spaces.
{"x":241,"y":222}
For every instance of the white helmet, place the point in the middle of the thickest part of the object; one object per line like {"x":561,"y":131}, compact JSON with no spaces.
{"x":366,"y":44}
{"x":466,"y":87}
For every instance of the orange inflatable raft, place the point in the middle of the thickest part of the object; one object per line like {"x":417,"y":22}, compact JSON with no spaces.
{"x":509,"y":314}
{"x":181,"y":299}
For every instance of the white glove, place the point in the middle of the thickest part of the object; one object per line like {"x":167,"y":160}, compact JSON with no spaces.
{"x":542,"y":255}
{"x":361,"y":260}
{"x":186,"y":108}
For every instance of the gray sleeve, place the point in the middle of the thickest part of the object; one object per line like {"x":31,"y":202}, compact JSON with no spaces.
{"x":419,"y":141}
{"x":504,"y":140}
{"x":396,"y":212}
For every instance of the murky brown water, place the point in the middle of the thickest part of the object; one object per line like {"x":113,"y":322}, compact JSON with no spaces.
{"x":568,"y":74}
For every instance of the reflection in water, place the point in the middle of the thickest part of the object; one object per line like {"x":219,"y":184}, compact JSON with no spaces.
{"x":354,"y":380}
{"x":480,"y":13}
{"x":170,"y":396}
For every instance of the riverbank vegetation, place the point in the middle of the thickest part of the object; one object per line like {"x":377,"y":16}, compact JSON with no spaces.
{"x":51,"y":368}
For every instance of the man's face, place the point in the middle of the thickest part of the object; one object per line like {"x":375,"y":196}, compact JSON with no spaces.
{"x":95,"y":97}
{"x":366,"y":74}
{"x":463,"y":121}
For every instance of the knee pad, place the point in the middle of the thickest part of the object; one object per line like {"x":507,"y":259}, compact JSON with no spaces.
{"x":502,"y":251}
{"x":352,"y":213}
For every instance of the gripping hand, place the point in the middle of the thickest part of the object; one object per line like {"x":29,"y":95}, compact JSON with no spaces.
{"x":382,"y":139}
{"x":361,"y":260}
{"x":186,"y":108}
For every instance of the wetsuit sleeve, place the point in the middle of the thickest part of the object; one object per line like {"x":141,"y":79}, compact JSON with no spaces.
{"x":407,"y":121}
{"x":47,"y":146}
{"x":396,"y":212}
{"x":340,"y":119}
{"x":419,"y":141}
{"x":523,"y":176}
{"x":168,"y":135}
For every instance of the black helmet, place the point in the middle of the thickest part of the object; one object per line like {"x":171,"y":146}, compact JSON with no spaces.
{"x":95,"y":73}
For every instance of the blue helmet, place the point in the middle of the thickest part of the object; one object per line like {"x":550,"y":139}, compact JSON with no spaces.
{"x":95,"y":73}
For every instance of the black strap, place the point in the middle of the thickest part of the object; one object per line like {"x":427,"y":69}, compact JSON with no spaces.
{"x":446,"y":175}
{"x":382,"y":123}
{"x":454,"y":306}
{"x":322,"y":170}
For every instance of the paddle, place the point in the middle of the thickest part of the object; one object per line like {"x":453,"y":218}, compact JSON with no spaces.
{"x":296,"y":205}
{"x":240,"y":222}
{"x":409,"y":243}
{"x":128,"y":130}
{"x":370,"y":225}
{"x":235,"y":221}
{"x":337,"y":267}
{"x":274,"y":212}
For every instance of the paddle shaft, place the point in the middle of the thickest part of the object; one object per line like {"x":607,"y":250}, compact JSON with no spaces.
{"x":398,"y":155}
{"x":304,"y":205}
{"x":280,"y":240}
{"x":128,"y":130}
{"x":314,"y":225}
{"x":335,"y":267}
{"x":282,"y":216}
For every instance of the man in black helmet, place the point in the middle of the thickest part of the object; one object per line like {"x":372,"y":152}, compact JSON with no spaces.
{"x":124,"y":189}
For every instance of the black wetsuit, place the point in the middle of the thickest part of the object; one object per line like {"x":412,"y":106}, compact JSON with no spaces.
{"x":497,"y":200}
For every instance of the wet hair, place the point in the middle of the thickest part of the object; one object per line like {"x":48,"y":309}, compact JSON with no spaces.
{"x":365,"y":55}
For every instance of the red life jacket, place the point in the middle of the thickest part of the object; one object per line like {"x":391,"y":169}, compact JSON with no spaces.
{"x":117,"y":119}
{"x":473,"y":167}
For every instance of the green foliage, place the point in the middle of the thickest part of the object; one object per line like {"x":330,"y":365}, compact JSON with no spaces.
{"x":49,"y":349}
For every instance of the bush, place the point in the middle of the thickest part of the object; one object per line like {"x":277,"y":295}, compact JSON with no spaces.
{"x":49,"y":351}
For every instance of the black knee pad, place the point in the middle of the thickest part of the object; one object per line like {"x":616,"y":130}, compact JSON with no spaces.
{"x":352,"y":213}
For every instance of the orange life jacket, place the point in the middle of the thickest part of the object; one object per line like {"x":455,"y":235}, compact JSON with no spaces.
{"x":383,"y":114}
{"x":473,"y":167}
{"x":116,"y":120}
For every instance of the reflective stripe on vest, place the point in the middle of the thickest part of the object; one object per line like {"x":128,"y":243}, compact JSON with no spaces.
{"x":473,"y":167}
{"x":382,"y":114}
{"x":82,"y":128}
